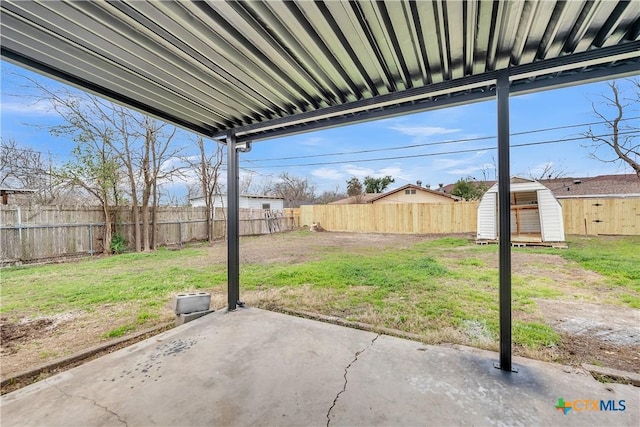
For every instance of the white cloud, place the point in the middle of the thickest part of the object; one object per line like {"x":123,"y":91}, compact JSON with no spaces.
{"x":444,"y":163}
{"x":327,"y":174}
{"x":394,"y":171}
{"x":171,"y":163}
{"x":423,"y":131}
{"x":28,"y":108}
{"x":469,"y":170}
{"x":358,"y":171}
{"x":313,"y":141}
{"x":461,"y":166}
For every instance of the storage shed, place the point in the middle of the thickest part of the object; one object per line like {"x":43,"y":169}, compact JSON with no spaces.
{"x":536,"y":215}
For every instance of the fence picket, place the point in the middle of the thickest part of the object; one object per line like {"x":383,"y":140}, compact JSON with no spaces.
{"x":39,"y":233}
{"x":615,"y":216}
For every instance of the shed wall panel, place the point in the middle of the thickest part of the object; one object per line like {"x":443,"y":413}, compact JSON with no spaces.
{"x":488,"y":217}
{"x":551,"y":219}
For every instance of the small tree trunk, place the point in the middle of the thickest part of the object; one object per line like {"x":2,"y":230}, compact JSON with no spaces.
{"x":145,"y":227}
{"x":154,"y":211}
{"x":136,"y":226}
{"x":106,"y":245}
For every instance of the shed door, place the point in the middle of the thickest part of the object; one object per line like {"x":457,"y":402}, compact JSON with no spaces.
{"x":551,"y":217}
{"x":488,"y":217}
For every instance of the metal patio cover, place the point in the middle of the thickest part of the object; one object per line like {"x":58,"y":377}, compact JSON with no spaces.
{"x":271,"y":68}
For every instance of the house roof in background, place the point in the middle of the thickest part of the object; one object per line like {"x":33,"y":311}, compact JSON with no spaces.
{"x":354,"y":200}
{"x":417,"y":188}
{"x":264,"y":69}
{"x":447,"y":188}
{"x":371,"y":197}
{"x":247,"y":196}
{"x":621,"y":185}
{"x":602,"y":185}
{"x":17,"y":190}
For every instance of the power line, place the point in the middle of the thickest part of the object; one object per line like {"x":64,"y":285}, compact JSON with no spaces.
{"x":532,"y":131}
{"x":468,"y":150}
{"x":426,"y":144}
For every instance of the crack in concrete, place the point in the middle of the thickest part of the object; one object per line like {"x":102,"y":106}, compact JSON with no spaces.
{"x":346,"y":371}
{"x":95,"y":403}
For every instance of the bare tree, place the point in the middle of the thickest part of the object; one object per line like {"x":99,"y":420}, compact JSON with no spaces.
{"x":246,"y":184}
{"x":156,"y":152}
{"x":330,"y":196}
{"x":489,"y":171}
{"x":549,"y":170}
{"x":621,"y":143}
{"x":294,"y":190}
{"x":252,"y":182}
{"x":119,"y":120}
{"x":207,"y":165}
{"x":99,"y":128}
{"x":140,"y":145}
{"x":95,"y":169}
{"x":24,"y":168}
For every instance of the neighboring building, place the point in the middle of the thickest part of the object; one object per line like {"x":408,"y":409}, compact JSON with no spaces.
{"x":5,"y":192}
{"x":536,"y":215}
{"x":409,"y":193}
{"x":602,"y":186}
{"x":607,"y":186}
{"x":412,"y":193}
{"x":446,"y":189}
{"x":356,"y":200}
{"x":247,"y":201}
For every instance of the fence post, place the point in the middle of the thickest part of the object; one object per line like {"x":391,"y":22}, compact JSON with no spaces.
{"x":91,"y":251}
{"x":19,"y":224}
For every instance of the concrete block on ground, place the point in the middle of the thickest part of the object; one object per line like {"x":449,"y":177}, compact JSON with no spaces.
{"x":181,"y":319}
{"x":191,"y":302}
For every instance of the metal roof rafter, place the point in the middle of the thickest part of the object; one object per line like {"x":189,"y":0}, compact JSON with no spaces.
{"x":583,"y":63}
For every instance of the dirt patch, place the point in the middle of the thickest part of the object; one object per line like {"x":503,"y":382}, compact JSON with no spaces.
{"x":15,"y":333}
{"x":613,"y":325}
{"x":289,"y":248}
{"x":25,"y":380}
{"x":597,"y":334}
{"x":31,"y":341}
{"x":577,"y":349}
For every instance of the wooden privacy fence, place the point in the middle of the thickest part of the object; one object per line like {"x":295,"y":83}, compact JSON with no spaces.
{"x":619,"y":216}
{"x":591,"y":216}
{"x":413,"y":218}
{"x":38,"y":233}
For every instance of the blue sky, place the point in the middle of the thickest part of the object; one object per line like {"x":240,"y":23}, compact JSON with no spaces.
{"x":27,"y":123}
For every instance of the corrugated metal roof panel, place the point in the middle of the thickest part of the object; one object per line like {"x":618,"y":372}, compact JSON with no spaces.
{"x":218,"y":65}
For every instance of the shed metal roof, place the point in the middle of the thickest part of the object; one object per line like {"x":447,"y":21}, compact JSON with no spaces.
{"x":269,"y":68}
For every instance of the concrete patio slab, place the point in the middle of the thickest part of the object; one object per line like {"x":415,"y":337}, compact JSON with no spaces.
{"x":255,"y":367}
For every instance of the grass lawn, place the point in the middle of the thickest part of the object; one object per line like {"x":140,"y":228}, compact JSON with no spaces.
{"x":444,"y":289}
